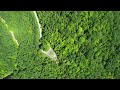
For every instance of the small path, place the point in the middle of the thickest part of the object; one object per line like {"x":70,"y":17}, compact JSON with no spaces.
{"x":13,"y":36}
{"x":49,"y":53}
{"x":39,"y":25}
{"x":3,"y":21}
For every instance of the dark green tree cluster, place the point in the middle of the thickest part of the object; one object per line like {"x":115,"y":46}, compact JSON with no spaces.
{"x":86,"y":42}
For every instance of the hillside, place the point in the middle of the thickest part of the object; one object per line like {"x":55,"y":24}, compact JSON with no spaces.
{"x":86,"y":44}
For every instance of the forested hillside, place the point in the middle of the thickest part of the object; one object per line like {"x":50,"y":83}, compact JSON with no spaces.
{"x":87,"y":45}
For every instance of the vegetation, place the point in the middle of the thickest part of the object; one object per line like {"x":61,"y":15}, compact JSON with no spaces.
{"x":87,"y":45}
{"x":26,"y":32}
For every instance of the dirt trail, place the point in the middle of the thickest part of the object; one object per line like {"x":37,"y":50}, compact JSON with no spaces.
{"x":39,"y":25}
{"x":13,"y":36}
{"x":50,"y":52}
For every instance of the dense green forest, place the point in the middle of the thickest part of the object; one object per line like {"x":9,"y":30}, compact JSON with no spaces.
{"x":87,"y":45}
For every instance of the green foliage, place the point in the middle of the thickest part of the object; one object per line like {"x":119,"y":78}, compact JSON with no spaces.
{"x":87,"y":44}
{"x":25,"y":29}
{"x":44,"y":44}
{"x":8,"y":52}
{"x":84,"y":41}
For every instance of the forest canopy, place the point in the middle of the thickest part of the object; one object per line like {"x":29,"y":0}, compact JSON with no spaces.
{"x":86,"y":43}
